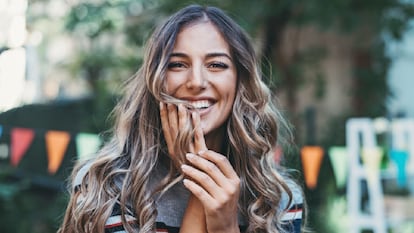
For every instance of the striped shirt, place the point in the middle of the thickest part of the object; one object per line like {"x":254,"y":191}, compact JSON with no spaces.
{"x":171,"y":207}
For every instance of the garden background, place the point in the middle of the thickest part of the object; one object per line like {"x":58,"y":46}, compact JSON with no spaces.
{"x":62,"y":63}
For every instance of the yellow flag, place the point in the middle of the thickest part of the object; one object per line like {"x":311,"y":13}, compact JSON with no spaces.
{"x":371,"y":158}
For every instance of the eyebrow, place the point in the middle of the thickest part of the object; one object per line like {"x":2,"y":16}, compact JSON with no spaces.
{"x":209,"y":55}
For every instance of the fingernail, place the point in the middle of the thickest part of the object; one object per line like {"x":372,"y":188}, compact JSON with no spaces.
{"x":184,"y":167}
{"x":161,"y":105}
{"x":189,"y":156}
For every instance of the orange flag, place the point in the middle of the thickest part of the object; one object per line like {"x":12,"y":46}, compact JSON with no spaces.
{"x":56,"y":144}
{"x":311,"y":162}
{"x":21,"y":139}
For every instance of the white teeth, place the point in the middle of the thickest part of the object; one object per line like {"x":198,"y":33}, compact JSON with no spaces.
{"x":200,"y":104}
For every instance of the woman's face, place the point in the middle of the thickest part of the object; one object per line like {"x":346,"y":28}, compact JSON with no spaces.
{"x":201,"y":71}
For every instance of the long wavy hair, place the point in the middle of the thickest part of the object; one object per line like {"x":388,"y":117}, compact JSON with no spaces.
{"x":137,"y":145}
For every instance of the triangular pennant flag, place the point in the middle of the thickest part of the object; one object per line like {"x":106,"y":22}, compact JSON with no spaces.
{"x":400,"y":157}
{"x":21,"y":139}
{"x":277,"y":154}
{"x":56,"y":144}
{"x":371,"y":157}
{"x":339,"y":160}
{"x":4,"y":151}
{"x":87,"y":145}
{"x":311,"y":161}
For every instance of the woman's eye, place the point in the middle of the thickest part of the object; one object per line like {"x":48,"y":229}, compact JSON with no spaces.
{"x":173,"y":65}
{"x":218,"y":65}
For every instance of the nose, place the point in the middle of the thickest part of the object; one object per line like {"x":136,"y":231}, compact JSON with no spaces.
{"x":196,"y":79}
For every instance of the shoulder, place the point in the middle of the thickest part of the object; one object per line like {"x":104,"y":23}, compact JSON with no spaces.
{"x":292,"y":209}
{"x":297,"y":194}
{"x":80,"y":173}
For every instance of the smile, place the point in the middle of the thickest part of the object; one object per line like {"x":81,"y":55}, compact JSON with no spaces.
{"x":201,"y":104}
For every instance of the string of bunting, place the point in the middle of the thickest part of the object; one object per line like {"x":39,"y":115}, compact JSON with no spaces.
{"x":87,"y":144}
{"x":56,"y":145}
{"x":312,"y":157}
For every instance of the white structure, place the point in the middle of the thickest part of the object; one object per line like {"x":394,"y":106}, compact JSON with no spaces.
{"x":361,"y":135}
{"x":17,"y":86}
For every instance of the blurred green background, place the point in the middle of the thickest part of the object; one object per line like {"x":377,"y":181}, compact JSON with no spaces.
{"x":326,"y":61}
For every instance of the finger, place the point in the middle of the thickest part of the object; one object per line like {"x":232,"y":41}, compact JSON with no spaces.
{"x":202,"y":195}
{"x":208,"y":168}
{"x":221,"y":162}
{"x":200,"y":177}
{"x":172,"y":118}
{"x":166,"y":128}
{"x":203,"y":180}
{"x":182,"y":116}
{"x":199,"y":141}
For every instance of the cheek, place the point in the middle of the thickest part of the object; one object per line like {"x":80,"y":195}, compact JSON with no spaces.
{"x":232,"y":89}
{"x":170,"y":85}
{"x":174,"y":81}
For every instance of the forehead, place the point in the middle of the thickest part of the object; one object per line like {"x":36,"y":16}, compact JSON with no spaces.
{"x":202,"y":35}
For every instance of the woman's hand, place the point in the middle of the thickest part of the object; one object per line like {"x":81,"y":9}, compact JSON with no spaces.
{"x":173,"y":118}
{"x":212,"y":179}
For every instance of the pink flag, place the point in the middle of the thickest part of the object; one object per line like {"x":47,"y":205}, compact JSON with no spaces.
{"x":277,"y":154}
{"x":21,"y":138}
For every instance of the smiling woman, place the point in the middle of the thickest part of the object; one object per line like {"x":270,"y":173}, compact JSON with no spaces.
{"x":202,"y":161}
{"x":201,"y":72}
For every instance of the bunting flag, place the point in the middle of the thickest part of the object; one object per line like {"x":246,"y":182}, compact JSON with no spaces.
{"x":339,"y":159}
{"x":4,"y":151}
{"x":56,"y":144}
{"x":87,"y":145}
{"x":371,"y":157}
{"x":277,"y":154}
{"x":400,"y":157}
{"x":311,"y":161}
{"x":21,"y":138}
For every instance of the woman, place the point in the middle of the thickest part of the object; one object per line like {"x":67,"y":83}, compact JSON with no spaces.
{"x":201,"y":161}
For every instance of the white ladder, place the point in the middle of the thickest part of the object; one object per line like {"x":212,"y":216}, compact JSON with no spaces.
{"x":360,"y":133}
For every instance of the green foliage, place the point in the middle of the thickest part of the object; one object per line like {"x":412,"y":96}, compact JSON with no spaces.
{"x":370,"y":78}
{"x":28,"y":209}
{"x":111,"y":33}
{"x":31,"y":199}
{"x":102,"y":59}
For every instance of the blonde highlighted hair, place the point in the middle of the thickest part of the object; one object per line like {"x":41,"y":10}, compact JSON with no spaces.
{"x":137,"y":144}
